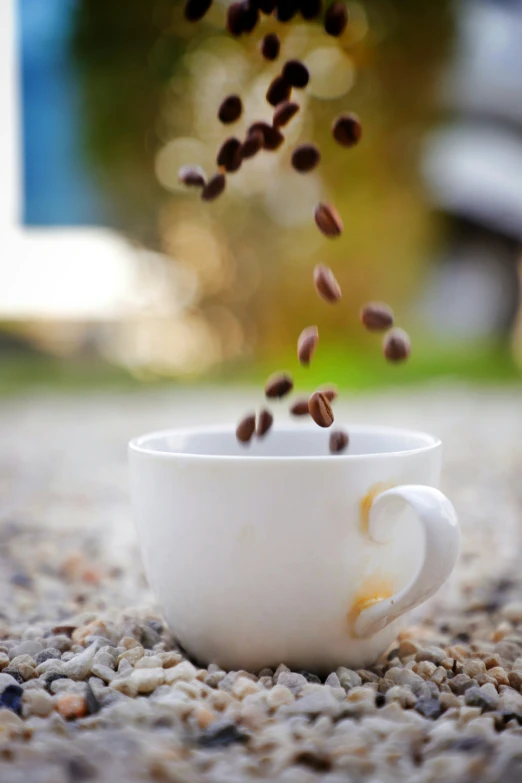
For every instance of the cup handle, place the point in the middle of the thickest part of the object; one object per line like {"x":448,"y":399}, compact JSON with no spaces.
{"x":438,"y":520}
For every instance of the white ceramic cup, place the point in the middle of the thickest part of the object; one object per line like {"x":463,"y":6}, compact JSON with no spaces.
{"x":279,"y":552}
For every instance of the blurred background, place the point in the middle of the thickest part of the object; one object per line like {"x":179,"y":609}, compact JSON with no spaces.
{"x":112,"y":273}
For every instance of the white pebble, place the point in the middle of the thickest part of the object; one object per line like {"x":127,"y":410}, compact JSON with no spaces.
{"x":147,"y":680}
{"x":183,"y":671}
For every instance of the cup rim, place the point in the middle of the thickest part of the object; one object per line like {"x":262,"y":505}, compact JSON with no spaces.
{"x":138,"y":444}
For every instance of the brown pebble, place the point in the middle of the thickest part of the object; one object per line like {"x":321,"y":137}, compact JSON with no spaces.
{"x":272,"y":137}
{"x":252,"y":144}
{"x":306,"y":344}
{"x":192,"y":176}
{"x":326,"y":285}
{"x":376,"y":316}
{"x":270,"y":47}
{"x":229,"y":155}
{"x":278,"y":385}
{"x":320,"y":410}
{"x":296,"y":74}
{"x":336,"y":18}
{"x":330,"y":392}
{"x":305,"y":158}
{"x":278,"y":91}
{"x":196,"y":9}
{"x":214,"y":187}
{"x":347,"y":130}
{"x":264,"y":422}
{"x":246,"y":428}
{"x":396,"y":345}
{"x":328,"y":220}
{"x":338,"y":441}
{"x":71,"y":706}
{"x":300,"y":407}
{"x":310,"y":9}
{"x":230,"y":110}
{"x":284,"y":113}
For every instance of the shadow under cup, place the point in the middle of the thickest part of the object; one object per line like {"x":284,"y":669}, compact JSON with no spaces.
{"x":261,"y":554}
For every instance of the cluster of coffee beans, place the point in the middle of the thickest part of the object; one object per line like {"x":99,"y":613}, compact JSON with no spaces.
{"x":242,"y":18}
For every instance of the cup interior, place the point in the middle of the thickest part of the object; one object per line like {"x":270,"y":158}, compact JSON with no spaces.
{"x":283,"y":442}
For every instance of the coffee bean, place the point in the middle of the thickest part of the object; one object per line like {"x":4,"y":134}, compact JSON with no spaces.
{"x":264,"y":422}
{"x":286,"y":10}
{"x":214,"y":187}
{"x":278,"y":91}
{"x":396,"y":346}
{"x":270,"y":47}
{"x":347,"y":130}
{"x":230,"y":110}
{"x":300,"y":407}
{"x":196,"y":9}
{"x":320,"y":410}
{"x":328,"y":220}
{"x":310,"y":9}
{"x":229,"y":155}
{"x":336,"y":18}
{"x":306,"y":344}
{"x":284,"y":113}
{"x":266,"y":6}
{"x":326,"y":285}
{"x":338,"y":441}
{"x":377,"y":316}
{"x":250,"y":16}
{"x":278,"y":385}
{"x":245,"y":428}
{"x":192,"y":176}
{"x":296,"y":74}
{"x":330,"y":392}
{"x":235,"y":19}
{"x":305,"y":158}
{"x":272,"y":137}
{"x":252,"y":144}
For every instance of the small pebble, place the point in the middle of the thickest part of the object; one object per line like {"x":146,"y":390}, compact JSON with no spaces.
{"x":71,"y":706}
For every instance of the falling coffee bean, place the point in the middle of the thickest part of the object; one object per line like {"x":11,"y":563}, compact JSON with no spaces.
{"x":272,"y":137}
{"x":245,"y":429}
{"x":278,"y":91}
{"x":310,"y":9}
{"x":270,"y":47}
{"x":305,"y":158}
{"x":320,"y":410}
{"x":266,"y":6}
{"x":296,"y":74}
{"x":306,"y":344}
{"x":264,"y":422}
{"x":278,"y":385}
{"x":377,"y":316}
{"x":328,"y":220}
{"x":284,"y":113}
{"x":250,"y":16}
{"x":286,"y":10}
{"x":196,"y":9}
{"x":396,"y":345}
{"x":230,"y":110}
{"x":338,"y":441}
{"x":347,"y":130}
{"x":214,"y":187}
{"x":192,"y":176}
{"x":300,"y":407}
{"x":235,"y":19}
{"x":229,"y":154}
{"x":326,"y":285}
{"x":336,"y":18}
{"x":330,"y":392}
{"x":252,"y":144}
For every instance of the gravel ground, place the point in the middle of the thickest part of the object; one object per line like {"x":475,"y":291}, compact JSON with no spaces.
{"x":93,"y":686}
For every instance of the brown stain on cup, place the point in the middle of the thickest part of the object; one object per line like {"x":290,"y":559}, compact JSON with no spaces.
{"x":374,"y":588}
{"x":367,"y":501}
